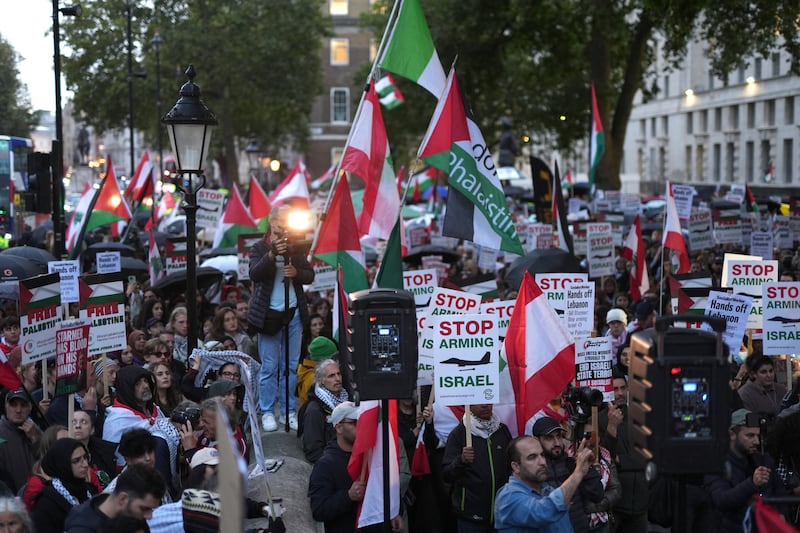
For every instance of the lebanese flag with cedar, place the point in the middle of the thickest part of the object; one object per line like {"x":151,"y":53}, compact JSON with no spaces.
{"x":673,"y":238}
{"x":541,"y":361}
{"x":634,"y":252}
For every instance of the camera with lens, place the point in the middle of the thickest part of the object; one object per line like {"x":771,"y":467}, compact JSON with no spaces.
{"x":191,"y":414}
{"x":580,"y":401}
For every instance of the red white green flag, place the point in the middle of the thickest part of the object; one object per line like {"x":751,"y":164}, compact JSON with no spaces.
{"x":154,"y":260}
{"x":324,"y":181}
{"x":673,"y":237}
{"x":367,"y":156}
{"x":598,"y":142}
{"x":141,"y":180}
{"x":80,"y":216}
{"x":338,"y":243}
{"x":293,"y":191}
{"x":235,"y":221}
{"x":110,"y":206}
{"x":259,"y":204}
{"x":476,"y":205}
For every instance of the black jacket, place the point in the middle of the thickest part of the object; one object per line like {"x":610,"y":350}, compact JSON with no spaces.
{"x":315,"y":430}
{"x":262,"y":274}
{"x":475,"y":485}
{"x":86,"y":517}
{"x":327,"y":491}
{"x":630,"y":466}
{"x":590,"y":489}
{"x":50,"y":511}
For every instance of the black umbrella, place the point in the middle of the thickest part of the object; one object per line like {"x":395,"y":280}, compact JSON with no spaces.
{"x":550,"y":260}
{"x":416,"y":254}
{"x":14,"y":267}
{"x":160,"y":236}
{"x":208,"y":253}
{"x":39,"y":233}
{"x":176,"y":282}
{"x":125,"y":250}
{"x":39,"y":256}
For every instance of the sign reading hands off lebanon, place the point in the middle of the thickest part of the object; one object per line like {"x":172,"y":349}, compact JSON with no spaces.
{"x":466,"y":365}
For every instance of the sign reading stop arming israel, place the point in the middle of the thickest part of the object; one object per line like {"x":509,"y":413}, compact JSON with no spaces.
{"x":781,"y":317}
{"x":450,"y":302}
{"x":466,"y":367}
{"x":420,"y":283}
{"x":209,"y":202}
{"x":425,"y":351}
{"x":601,"y":249}
{"x":747,"y":277}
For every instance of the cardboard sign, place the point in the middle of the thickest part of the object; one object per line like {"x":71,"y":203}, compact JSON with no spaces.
{"x":175,"y":254}
{"x":781,"y":317}
{"x":554,"y":287}
{"x":761,"y":243}
{"x":701,"y":233}
{"x":579,"y":316}
{"x":108,"y":262}
{"x":209,"y":208}
{"x":684,"y":194}
{"x":747,"y":277}
{"x":72,"y":344}
{"x":601,"y":249}
{"x":782,"y":230}
{"x":40,"y":315}
{"x":450,"y":302}
{"x":487,"y":258}
{"x":579,"y":238}
{"x":736,"y":195}
{"x":244,"y":243}
{"x":426,"y":353}
{"x":421,"y":283}
{"x":593,"y":362}
{"x":541,"y":236}
{"x":104,"y":312}
{"x":69,"y":272}
{"x":503,"y":311}
{"x":324,"y":276}
{"x":727,"y":226}
{"x":467,"y":365}
{"x":735,"y":309}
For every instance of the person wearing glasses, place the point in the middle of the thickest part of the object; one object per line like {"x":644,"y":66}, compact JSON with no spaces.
{"x":66,"y":463}
{"x":103,"y":467}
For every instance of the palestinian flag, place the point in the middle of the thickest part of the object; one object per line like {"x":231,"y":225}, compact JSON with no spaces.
{"x":476,"y":206}
{"x":338,"y":243}
{"x":410,"y":52}
{"x":598,"y":142}
{"x":259,"y":205}
{"x":109,"y":206}
{"x":390,"y":274}
{"x":560,"y":215}
{"x":155,"y":263}
{"x":750,"y":200}
{"x":389,"y":95}
{"x":422,"y":183}
{"x":235,"y":220}
{"x":80,"y":215}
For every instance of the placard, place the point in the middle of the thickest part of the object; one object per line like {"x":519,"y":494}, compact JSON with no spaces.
{"x":761,"y":243}
{"x":420,"y":283}
{"x":450,"y":302}
{"x":104,"y":312}
{"x":108,"y":262}
{"x":324,"y":276}
{"x":593,"y":365}
{"x":209,"y":208}
{"x":69,"y":272}
{"x":735,"y":310}
{"x":747,"y":277}
{"x":244,"y":243}
{"x":40,"y":315}
{"x":425,"y":356}
{"x":579,"y":316}
{"x":541,"y":236}
{"x":683,"y":194}
{"x":72,"y":346}
{"x":554,"y":287}
{"x":781,"y":317}
{"x":601,"y":249}
{"x":467,"y":351}
{"x":502,"y":309}
{"x":701,"y":234}
{"x":727,"y":226}
{"x":175,"y":254}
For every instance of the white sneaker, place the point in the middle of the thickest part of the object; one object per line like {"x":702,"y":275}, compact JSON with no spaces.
{"x":268,"y":422}
{"x":293,"y":421}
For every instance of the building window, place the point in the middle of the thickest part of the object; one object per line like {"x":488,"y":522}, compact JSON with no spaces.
{"x":710,"y":79}
{"x":718,"y":119}
{"x":701,"y":155}
{"x":766,"y":159}
{"x":340,"y":105}
{"x":643,"y":129}
{"x":338,"y":7}
{"x":751,"y":115}
{"x":651,"y":165}
{"x":788,"y":146}
{"x":715,"y":168}
{"x":665,"y":126}
{"x":733,"y":117}
{"x":666,"y":86}
{"x":689,"y":123}
{"x":758,"y":69}
{"x":776,"y":64}
{"x":749,"y":160}
{"x":704,"y":121}
{"x":653,"y":127}
{"x":662,"y":164}
{"x":769,"y":112}
{"x":788,"y":111}
{"x":688,"y":162}
{"x":640,"y":161}
{"x":740,"y":74}
{"x":340,"y":51}
{"x":729,"y":153}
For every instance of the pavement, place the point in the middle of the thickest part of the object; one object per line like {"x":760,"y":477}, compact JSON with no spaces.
{"x":290,"y":482}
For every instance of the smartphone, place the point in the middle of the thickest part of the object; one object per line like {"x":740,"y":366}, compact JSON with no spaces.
{"x":131,"y":279}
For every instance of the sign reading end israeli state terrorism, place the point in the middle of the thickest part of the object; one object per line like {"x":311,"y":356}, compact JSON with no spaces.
{"x":72,"y":343}
{"x":593,"y":365}
{"x":781,"y":317}
{"x":420,"y":283}
{"x":39,"y":316}
{"x":466,"y":367}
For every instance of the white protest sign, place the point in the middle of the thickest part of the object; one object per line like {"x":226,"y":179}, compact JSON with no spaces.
{"x":175,"y":255}
{"x":104,"y":311}
{"x":728,"y":226}
{"x":209,"y":208}
{"x":69,"y":271}
{"x":747,"y":277}
{"x":425,"y":356}
{"x":600,"y":249}
{"x":683,"y":200}
{"x":467,"y":365}
{"x":580,"y":309}
{"x":735,"y":310}
{"x":420,"y":283}
{"x":244,"y":245}
{"x":502,"y":309}
{"x":324,"y":276}
{"x":541,"y":236}
{"x":761,"y":243}
{"x":487,"y":258}
{"x":40,"y":313}
{"x":781,"y":317}
{"x":108,"y":262}
{"x":701,"y":234}
{"x":450,"y":302}
{"x":593,"y":361}
{"x":554,"y":287}
{"x":735,"y":194}
{"x":579,"y":238}
{"x":782,"y":229}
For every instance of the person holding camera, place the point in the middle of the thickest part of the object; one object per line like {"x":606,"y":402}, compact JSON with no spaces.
{"x":273,"y":262}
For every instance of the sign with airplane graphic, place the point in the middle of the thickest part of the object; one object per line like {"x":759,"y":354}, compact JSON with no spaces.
{"x":600,"y":251}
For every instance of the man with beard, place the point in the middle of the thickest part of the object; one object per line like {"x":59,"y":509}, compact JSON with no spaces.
{"x":139,"y":490}
{"x":134,"y":407}
{"x":528,"y":503}
{"x":747,"y":473}
{"x":560,"y":467}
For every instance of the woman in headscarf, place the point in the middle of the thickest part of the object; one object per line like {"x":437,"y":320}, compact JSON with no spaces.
{"x":67,"y":465}
{"x":103,"y":465}
{"x":136,"y":342}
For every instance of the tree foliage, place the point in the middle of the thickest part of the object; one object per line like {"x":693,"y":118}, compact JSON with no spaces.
{"x":257,"y":63}
{"x":16,"y":114}
{"x":534,"y":60}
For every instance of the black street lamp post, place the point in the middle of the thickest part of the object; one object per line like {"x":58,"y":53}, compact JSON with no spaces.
{"x":157,"y":41}
{"x":57,"y":151}
{"x":189,"y":124}
{"x":128,"y":9}
{"x":253,"y":157}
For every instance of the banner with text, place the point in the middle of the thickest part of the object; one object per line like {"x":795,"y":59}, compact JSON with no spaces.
{"x":244,"y":242}
{"x":781,"y":317}
{"x":104,"y":311}
{"x":209,"y":208}
{"x":421,"y":283}
{"x":601,"y":249}
{"x":580,"y":309}
{"x":554,"y":287}
{"x":746,"y":277}
{"x":175,"y":254}
{"x":72,"y":343}
{"x":593,"y":361}
{"x":450,"y":302}
{"x":735,"y":310}
{"x":40,"y":315}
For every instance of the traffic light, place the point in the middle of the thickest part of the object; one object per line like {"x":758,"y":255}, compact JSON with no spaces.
{"x":679,"y":397}
{"x":40,"y":182}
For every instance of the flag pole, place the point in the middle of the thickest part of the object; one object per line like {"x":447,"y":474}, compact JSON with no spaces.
{"x":661,"y":280}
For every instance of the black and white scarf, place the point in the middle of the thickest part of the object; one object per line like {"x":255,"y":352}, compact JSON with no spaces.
{"x":328,"y":398}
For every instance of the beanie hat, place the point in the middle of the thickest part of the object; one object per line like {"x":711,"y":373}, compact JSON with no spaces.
{"x":322,"y":348}
{"x":201,"y":510}
{"x":617,"y":315}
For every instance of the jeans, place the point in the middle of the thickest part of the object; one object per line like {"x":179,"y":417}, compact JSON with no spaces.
{"x":273,"y":359}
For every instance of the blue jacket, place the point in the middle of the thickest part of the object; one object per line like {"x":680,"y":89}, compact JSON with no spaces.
{"x":520,"y":509}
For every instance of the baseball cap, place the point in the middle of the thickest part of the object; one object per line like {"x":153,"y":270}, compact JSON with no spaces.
{"x":344,"y":411}
{"x":205,"y":456}
{"x":545,"y":426}
{"x":644,"y":309}
{"x":17,"y":394}
{"x":739,"y":418}
{"x":616,"y":315}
